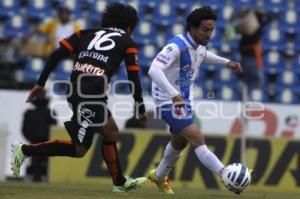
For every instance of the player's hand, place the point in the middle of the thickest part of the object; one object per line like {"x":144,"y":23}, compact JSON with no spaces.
{"x":236,"y":66}
{"x":144,"y":117}
{"x":178,"y":101}
{"x":34,"y":93}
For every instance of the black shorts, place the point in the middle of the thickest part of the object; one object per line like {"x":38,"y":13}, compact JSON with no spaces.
{"x":89,"y":115}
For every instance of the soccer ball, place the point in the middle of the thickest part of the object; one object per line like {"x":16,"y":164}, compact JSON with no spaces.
{"x":236,"y":177}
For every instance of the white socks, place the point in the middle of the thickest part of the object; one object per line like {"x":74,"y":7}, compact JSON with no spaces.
{"x":168,"y":161}
{"x":209,"y":159}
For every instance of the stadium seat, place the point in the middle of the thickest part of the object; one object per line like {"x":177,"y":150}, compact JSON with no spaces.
{"x":63,"y":70}
{"x":229,"y":94}
{"x":224,"y":16}
{"x":289,"y":21}
{"x":215,"y":4}
{"x":9,"y":8}
{"x":147,"y":9}
{"x":256,"y":95}
{"x":243,"y":4}
{"x":163,"y":11}
{"x":216,"y":39}
{"x":180,"y":10}
{"x":96,"y":8}
{"x":37,"y":10}
{"x":273,"y":60}
{"x":228,"y":77}
{"x":296,"y":64}
{"x":174,"y":29}
{"x":287,"y":78}
{"x":145,"y":33}
{"x":84,"y":9}
{"x":273,"y":38}
{"x":275,"y":6}
{"x":16,"y":26}
{"x":33,"y":69}
{"x":286,"y":96}
{"x":147,"y":54}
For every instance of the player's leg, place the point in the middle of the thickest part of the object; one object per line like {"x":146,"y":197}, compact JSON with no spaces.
{"x":110,"y":152}
{"x":171,"y":154}
{"x":194,"y":136}
{"x":77,"y":147}
{"x":111,"y":158}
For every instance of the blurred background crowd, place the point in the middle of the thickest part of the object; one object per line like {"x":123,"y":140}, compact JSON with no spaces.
{"x":31,"y":29}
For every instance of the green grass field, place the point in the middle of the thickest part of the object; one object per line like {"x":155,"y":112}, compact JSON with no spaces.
{"x":21,"y":190}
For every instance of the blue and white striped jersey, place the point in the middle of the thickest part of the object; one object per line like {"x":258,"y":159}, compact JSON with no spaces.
{"x":180,"y":62}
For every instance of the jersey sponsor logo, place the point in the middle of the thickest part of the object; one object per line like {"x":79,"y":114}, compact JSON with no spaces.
{"x":89,"y":68}
{"x":103,"y":41}
{"x":165,"y":57}
{"x":86,"y":114}
{"x":169,"y":49}
{"x":161,"y":60}
{"x":190,"y":74}
{"x":186,"y":67}
{"x":93,"y":55}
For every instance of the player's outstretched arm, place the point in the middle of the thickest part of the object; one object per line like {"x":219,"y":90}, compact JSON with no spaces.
{"x":51,"y":63}
{"x":236,"y":66}
{"x":133,"y":76}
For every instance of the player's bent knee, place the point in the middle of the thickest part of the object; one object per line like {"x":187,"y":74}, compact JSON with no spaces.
{"x":80,"y":152}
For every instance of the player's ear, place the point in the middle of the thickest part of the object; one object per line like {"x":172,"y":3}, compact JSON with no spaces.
{"x":129,"y":30}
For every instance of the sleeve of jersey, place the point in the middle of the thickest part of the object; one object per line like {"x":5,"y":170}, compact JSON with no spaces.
{"x":166,"y":57}
{"x":133,"y":68}
{"x":211,"y":58}
{"x":131,"y":61}
{"x":71,"y":42}
{"x":162,"y":61}
{"x":51,"y":63}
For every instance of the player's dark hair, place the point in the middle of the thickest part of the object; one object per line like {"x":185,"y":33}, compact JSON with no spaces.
{"x":120,"y":16}
{"x":196,"y":16}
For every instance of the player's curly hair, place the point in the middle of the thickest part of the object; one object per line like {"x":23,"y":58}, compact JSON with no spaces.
{"x":120,"y":16}
{"x":196,"y":16}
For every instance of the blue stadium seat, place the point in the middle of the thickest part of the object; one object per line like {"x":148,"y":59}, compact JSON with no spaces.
{"x":289,"y":21}
{"x":147,"y":8}
{"x":243,"y":4}
{"x":215,"y":4}
{"x":145,"y":33}
{"x":229,"y":94}
{"x":9,"y":8}
{"x":163,"y":11}
{"x":146,"y":54}
{"x":174,"y":29}
{"x":296,"y":64}
{"x":274,"y":38}
{"x":180,"y":10}
{"x":275,"y":6}
{"x":96,"y":8}
{"x":216,"y":39}
{"x":38,"y":9}
{"x":224,"y":16}
{"x":228,"y":78}
{"x":288,"y":79}
{"x":273,"y":60}
{"x":286,"y":96}
{"x":16,"y":26}
{"x":82,"y":9}
{"x":63,"y":70}
{"x":257,"y":95}
{"x":33,"y":69}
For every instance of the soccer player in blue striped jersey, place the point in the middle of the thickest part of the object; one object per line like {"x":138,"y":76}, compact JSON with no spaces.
{"x":173,"y":72}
